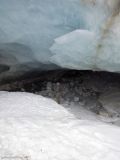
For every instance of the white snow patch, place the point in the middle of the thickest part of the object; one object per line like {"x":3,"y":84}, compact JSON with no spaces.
{"x":36,"y":128}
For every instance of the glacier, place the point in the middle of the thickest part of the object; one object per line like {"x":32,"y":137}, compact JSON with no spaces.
{"x":96,"y":46}
{"x":74,"y":34}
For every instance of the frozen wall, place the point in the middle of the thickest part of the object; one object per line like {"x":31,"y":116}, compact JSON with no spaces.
{"x":97,"y":45}
{"x":79,"y":34}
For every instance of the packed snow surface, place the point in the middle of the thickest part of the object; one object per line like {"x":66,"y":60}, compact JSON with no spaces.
{"x":33,"y":127}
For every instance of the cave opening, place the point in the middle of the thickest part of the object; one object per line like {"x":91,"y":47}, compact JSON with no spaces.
{"x":94,"y":90}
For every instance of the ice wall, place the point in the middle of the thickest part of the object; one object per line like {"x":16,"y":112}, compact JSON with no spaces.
{"x":97,"y":45}
{"x":28,"y":29}
{"x":79,"y":34}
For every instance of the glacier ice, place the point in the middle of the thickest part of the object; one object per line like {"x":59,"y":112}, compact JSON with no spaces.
{"x":83,"y":49}
{"x":97,"y":46}
{"x":28,"y":29}
{"x":79,"y":34}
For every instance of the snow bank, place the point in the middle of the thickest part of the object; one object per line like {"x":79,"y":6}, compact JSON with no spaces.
{"x":33,"y":128}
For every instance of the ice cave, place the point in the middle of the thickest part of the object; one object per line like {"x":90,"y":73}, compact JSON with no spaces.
{"x":74,"y":34}
{"x":59,"y":79}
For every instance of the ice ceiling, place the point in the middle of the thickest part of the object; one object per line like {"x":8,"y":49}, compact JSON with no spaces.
{"x":76,"y":34}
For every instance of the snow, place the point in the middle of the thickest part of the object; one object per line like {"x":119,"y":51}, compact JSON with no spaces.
{"x":33,"y":127}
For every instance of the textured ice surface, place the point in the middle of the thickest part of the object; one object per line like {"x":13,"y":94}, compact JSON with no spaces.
{"x":75,"y":50}
{"x":28,"y":29}
{"x":33,"y":128}
{"x":97,"y":46}
{"x":80,"y":34}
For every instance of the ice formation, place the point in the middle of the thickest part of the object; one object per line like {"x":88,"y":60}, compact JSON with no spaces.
{"x":96,"y":46}
{"x":79,"y":34}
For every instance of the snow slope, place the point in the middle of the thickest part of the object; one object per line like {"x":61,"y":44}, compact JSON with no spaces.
{"x":36,"y":128}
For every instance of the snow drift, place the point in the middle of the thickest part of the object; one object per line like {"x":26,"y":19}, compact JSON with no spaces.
{"x":33,"y":128}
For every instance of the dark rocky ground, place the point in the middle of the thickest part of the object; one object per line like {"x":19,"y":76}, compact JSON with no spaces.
{"x":85,"y":88}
